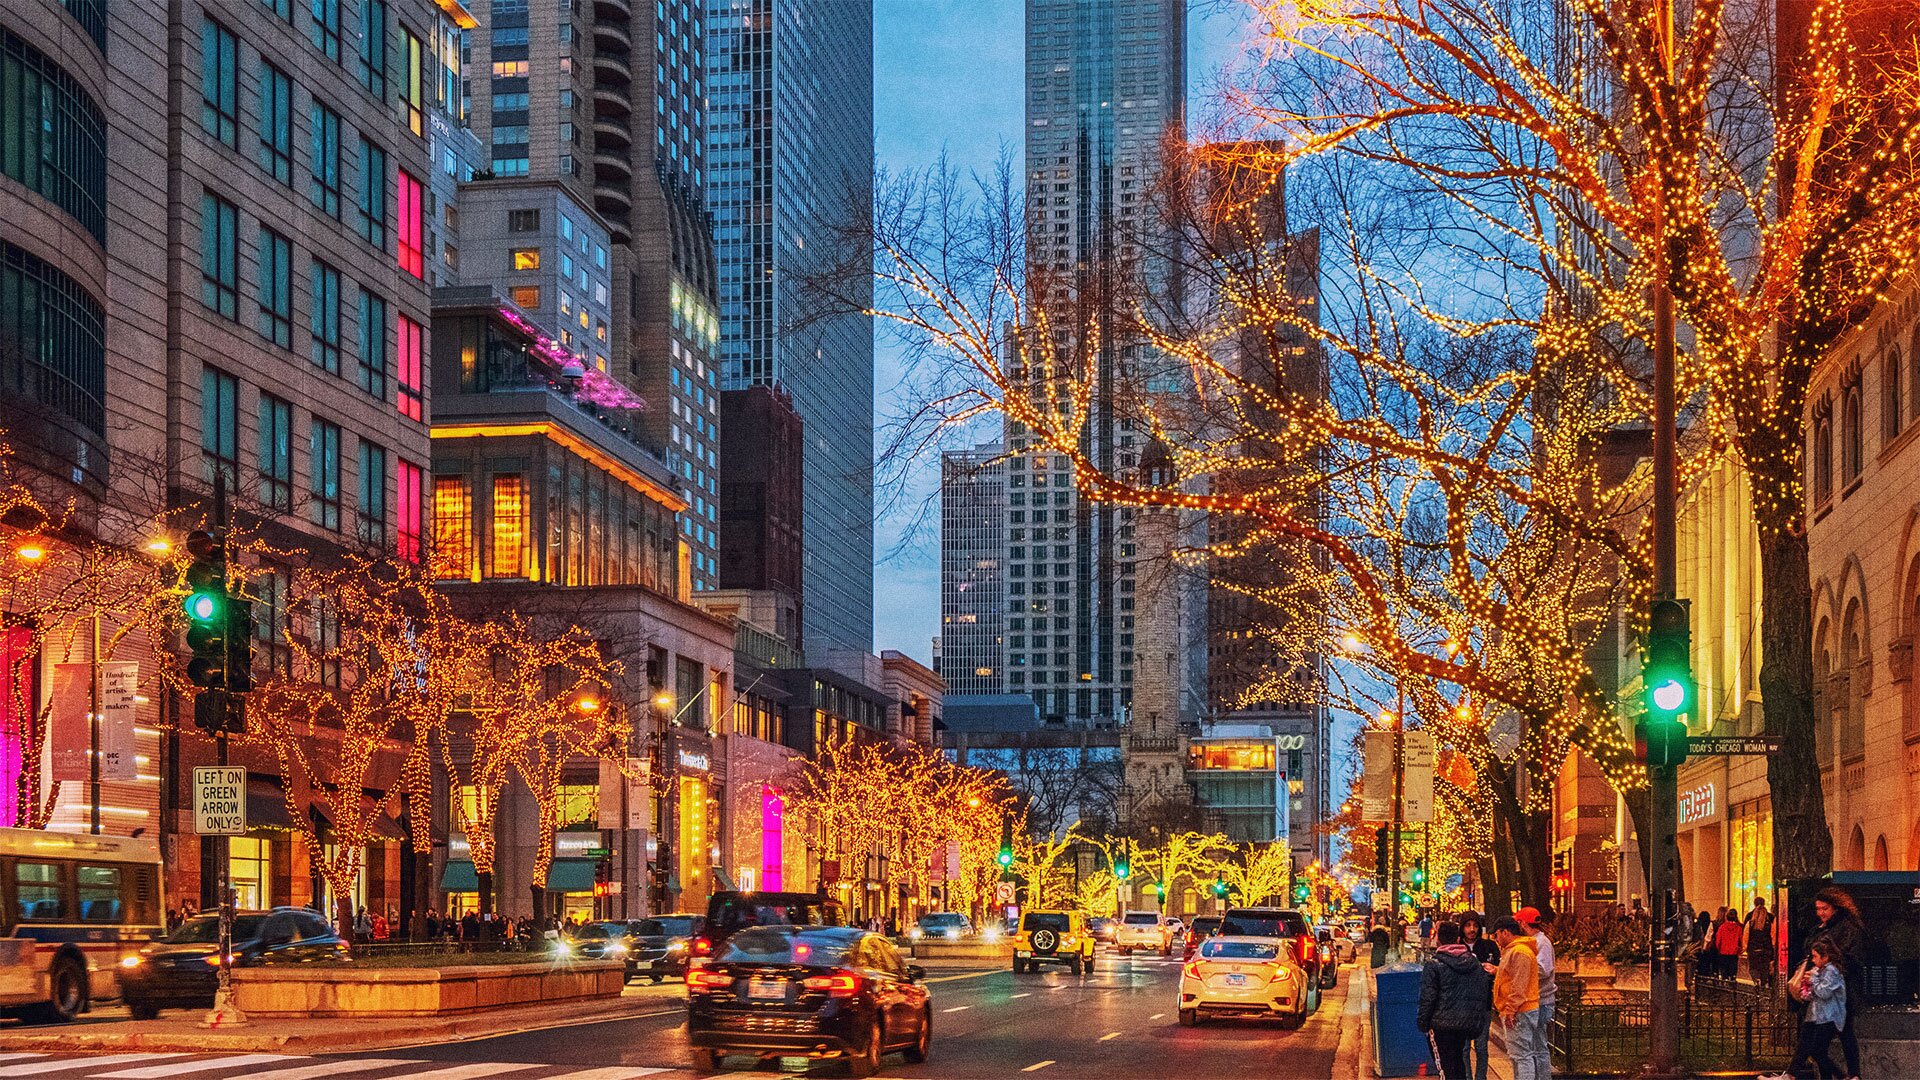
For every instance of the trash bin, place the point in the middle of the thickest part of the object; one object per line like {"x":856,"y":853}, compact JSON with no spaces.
{"x":1400,"y":1048}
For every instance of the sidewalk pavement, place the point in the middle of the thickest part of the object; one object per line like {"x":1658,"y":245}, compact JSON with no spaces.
{"x":1354,"y":1058}
{"x":179,"y":1030}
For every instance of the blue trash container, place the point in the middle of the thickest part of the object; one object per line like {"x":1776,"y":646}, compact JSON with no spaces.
{"x":1399,"y":1046}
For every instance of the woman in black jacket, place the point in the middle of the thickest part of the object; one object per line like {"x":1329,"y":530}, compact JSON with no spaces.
{"x":1455,"y":995}
{"x":1840,"y":928}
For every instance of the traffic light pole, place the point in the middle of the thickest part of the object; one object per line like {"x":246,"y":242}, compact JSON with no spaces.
{"x":1399,"y":795}
{"x":1663,"y":777}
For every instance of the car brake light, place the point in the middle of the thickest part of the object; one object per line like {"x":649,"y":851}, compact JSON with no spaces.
{"x":1192,"y":970}
{"x":702,"y":979}
{"x":702,"y":946}
{"x":838,"y":985}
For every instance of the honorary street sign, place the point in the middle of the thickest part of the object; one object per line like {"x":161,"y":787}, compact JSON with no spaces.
{"x":219,"y":800}
{"x":1733,"y":744}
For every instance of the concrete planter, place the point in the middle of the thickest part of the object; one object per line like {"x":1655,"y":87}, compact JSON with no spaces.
{"x":963,"y":950}
{"x":349,"y":991}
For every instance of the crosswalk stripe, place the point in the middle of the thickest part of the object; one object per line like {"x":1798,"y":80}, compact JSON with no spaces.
{"x":184,"y":1068}
{"x":17,"y":1057}
{"x":612,"y":1072}
{"x":37,"y":1068}
{"x":331,"y":1068}
{"x":471,"y":1072}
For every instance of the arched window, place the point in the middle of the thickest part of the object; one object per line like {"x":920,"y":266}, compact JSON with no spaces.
{"x":1823,"y":704}
{"x":1891,"y":400}
{"x":1913,"y":375}
{"x":1852,"y":441}
{"x":1880,"y":854}
{"x":1821,"y":455}
{"x":1853,"y":733}
{"x":1857,"y":850}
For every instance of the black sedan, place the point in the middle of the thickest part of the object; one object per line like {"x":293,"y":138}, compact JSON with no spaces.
{"x":807,"y":991}
{"x":659,"y":946}
{"x":600,"y":941}
{"x":180,"y":970}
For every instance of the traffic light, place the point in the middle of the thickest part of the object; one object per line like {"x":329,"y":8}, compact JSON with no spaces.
{"x":1666,"y":670}
{"x":1005,"y":858}
{"x":1302,"y":892}
{"x":602,"y":875}
{"x":208,"y":619}
{"x":1382,"y":873}
{"x":239,"y":637}
{"x":1418,"y":879}
{"x":1219,"y":886}
{"x":1123,"y":866}
{"x":1160,"y":889}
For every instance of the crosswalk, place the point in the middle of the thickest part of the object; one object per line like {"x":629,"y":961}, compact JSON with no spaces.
{"x":180,"y":1066}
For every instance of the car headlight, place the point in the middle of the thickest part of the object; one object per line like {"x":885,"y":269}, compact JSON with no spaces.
{"x":991,"y":934}
{"x":677,"y":946}
{"x":916,"y":933}
{"x":616,"y":950}
{"x":131,"y":961}
{"x":564,"y":948}
{"x":954,"y":934}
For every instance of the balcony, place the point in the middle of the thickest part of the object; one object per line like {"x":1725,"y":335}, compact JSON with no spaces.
{"x":612,"y":137}
{"x":612,"y":103}
{"x":612,"y":69}
{"x":610,"y":36}
{"x":612,"y":10}
{"x":611,"y":168}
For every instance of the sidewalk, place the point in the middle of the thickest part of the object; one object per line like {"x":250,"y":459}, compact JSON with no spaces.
{"x":179,"y":1030}
{"x":1354,"y":1058}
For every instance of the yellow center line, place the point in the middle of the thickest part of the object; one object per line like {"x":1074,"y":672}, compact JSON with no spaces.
{"x":1109,"y":1035}
{"x":1038,"y":1065}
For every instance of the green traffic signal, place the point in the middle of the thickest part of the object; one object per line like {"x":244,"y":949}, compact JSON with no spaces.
{"x":1419,"y":876}
{"x":1005,"y":858}
{"x":203,"y":606}
{"x":1219,"y":886}
{"x":1667,"y":674}
{"x":1160,"y":889}
{"x":1123,"y":870}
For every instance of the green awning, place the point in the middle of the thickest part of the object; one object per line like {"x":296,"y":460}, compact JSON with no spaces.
{"x":571,"y":876}
{"x":459,"y":877}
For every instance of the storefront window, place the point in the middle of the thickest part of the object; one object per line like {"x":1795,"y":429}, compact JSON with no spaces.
{"x":693,"y":836}
{"x":1240,"y":756}
{"x":251,"y":866}
{"x":576,"y":804}
{"x":1751,"y":867}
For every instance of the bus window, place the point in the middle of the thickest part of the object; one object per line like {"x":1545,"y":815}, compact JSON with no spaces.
{"x":99,"y":893}
{"x":37,"y":886}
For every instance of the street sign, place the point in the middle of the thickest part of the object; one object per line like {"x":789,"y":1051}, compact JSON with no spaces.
{"x":1733,"y":744}
{"x":219,"y":800}
{"x":1600,"y":892}
{"x":1003,"y":893}
{"x":597,"y":853}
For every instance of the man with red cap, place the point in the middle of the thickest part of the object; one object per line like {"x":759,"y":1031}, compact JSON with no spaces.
{"x":1536,"y":922}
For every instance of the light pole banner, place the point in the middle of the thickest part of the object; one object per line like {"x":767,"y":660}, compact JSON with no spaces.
{"x":118,"y":681}
{"x":1376,"y":789}
{"x":69,"y":735}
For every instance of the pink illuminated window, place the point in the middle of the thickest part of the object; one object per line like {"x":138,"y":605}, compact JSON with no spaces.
{"x":410,"y":495}
{"x":412,"y":342}
{"x":412,"y":226}
{"x":773,"y":820}
{"x":16,"y":706}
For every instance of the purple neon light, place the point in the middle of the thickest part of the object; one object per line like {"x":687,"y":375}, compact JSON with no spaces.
{"x":773,"y":819}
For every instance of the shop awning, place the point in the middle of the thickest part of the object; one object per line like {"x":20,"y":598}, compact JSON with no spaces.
{"x":266,"y":806}
{"x":570,"y":876}
{"x":459,"y":877}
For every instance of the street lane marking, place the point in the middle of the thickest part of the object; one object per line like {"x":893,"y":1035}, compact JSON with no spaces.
{"x":616,"y":1072}
{"x":17,"y":1057}
{"x":182,"y":1068}
{"x":1062,"y":986}
{"x":471,"y":1072}
{"x":1109,"y":1035}
{"x":957,"y":1008}
{"x":39,"y":1067}
{"x":968,"y":975}
{"x":1156,"y":1016}
{"x":1016,"y":997}
{"x":332,"y":1068}
{"x":1038,"y":1065}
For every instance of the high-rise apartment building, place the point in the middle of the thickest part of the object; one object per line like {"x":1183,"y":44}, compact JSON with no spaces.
{"x":973,"y":553}
{"x":790,"y":154}
{"x":1105,"y":82}
{"x":585,"y":96}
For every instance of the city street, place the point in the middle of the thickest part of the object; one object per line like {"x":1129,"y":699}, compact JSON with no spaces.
{"x":1116,"y":1023}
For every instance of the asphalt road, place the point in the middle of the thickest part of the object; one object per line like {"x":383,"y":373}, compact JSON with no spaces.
{"x":1117,"y":1023}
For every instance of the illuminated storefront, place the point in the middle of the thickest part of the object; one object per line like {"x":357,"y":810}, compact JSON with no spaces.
{"x":695,"y":838}
{"x":1750,"y":866}
{"x":773,"y":824}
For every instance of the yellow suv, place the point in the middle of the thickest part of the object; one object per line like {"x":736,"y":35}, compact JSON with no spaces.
{"x":1054,"y":937}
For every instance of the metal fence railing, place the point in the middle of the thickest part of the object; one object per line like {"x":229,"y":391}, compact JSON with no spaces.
{"x":1723,"y":1026}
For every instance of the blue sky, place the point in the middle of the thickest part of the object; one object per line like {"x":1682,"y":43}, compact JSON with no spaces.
{"x":947,"y":77}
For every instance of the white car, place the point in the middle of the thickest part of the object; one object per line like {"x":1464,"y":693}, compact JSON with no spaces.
{"x":1143,"y":930}
{"x":1255,"y":977}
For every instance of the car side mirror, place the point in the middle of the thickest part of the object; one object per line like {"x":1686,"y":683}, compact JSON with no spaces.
{"x":916,"y":973}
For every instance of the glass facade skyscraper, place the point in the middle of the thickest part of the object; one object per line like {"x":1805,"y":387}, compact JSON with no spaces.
{"x":789,"y":157}
{"x":973,"y":553}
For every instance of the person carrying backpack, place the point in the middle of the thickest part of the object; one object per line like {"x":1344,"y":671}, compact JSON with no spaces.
{"x":1456,"y":996}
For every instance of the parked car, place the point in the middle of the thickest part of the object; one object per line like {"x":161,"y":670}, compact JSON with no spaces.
{"x":1244,"y":976}
{"x":1203,"y":926}
{"x":659,"y":947}
{"x":1143,"y":930}
{"x":942,"y":925}
{"x":1053,"y":937}
{"x":812,"y":991}
{"x":728,"y":913}
{"x":1344,"y":947}
{"x":180,"y":970}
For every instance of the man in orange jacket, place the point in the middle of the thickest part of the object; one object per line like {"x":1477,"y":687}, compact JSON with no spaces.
{"x":1516,"y":997}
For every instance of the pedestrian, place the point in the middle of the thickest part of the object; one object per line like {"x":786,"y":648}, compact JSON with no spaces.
{"x":1823,"y":987}
{"x":470,"y":927}
{"x":1841,"y":928}
{"x":1379,"y":938}
{"x":1472,"y":929}
{"x":1426,"y":928}
{"x":380,"y":928}
{"x":362,"y":927}
{"x":1536,"y":921}
{"x":1456,"y":995}
{"x":1729,"y":941}
{"x":1760,"y":944}
{"x":1516,"y":997}
{"x":430,"y":924}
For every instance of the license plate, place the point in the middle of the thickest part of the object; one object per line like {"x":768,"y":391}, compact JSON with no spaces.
{"x":1236,"y":980}
{"x":767,"y":989}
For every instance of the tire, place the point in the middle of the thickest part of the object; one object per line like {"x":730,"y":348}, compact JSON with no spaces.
{"x":1078,"y":965}
{"x":922,"y":1047}
{"x":142,"y":1010}
{"x":867,"y":1062}
{"x":1089,"y":963}
{"x":67,"y":985}
{"x":657,"y":979}
{"x":1126,"y":950}
{"x":704,"y":1061}
{"x":1019,"y":967}
{"x":1189,"y":1017}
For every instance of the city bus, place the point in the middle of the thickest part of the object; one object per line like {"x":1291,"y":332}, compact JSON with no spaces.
{"x":74,"y":905}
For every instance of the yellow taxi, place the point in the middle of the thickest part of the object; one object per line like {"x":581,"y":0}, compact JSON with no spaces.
{"x":1243,"y":976}
{"x":1054,"y":937}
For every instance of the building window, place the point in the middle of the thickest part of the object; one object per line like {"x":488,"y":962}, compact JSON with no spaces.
{"x":323,"y":449}
{"x":526,"y":258}
{"x":452,"y":528}
{"x":275,"y":321}
{"x":1891,"y":399}
{"x":372,"y":66}
{"x":276,"y":123}
{"x":56,"y":346}
{"x":412,"y":224}
{"x":372,"y":222}
{"x":219,"y":255}
{"x":1822,"y":456}
{"x":523,"y":221}
{"x":326,"y":642}
{"x":414,"y":93}
{"x":412,"y":347}
{"x":276,"y":453}
{"x":509,"y":527}
{"x":407,"y":491}
{"x":325,"y":159}
{"x":325,"y":317}
{"x":372,"y":515}
{"x":269,"y":588}
{"x":220,"y":83}
{"x":1852,"y":440}
{"x":53,"y":138}
{"x":374,"y":362}
{"x":220,"y":425}
{"x":527,"y":296}
{"x":325,"y":30}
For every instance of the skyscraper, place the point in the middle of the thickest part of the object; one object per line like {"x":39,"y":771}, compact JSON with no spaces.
{"x":790,"y":155}
{"x":973,"y":552}
{"x":1105,"y":81}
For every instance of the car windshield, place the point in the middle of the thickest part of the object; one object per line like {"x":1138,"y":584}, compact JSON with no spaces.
{"x":598,"y":932}
{"x":740,"y":913}
{"x":1206,"y":924}
{"x":785,"y":945}
{"x":1259,"y":923}
{"x":1238,"y":950}
{"x":205,"y":930}
{"x":1142,"y":918}
{"x":943,"y":920}
{"x":667,"y":927}
{"x":1056,"y":923}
